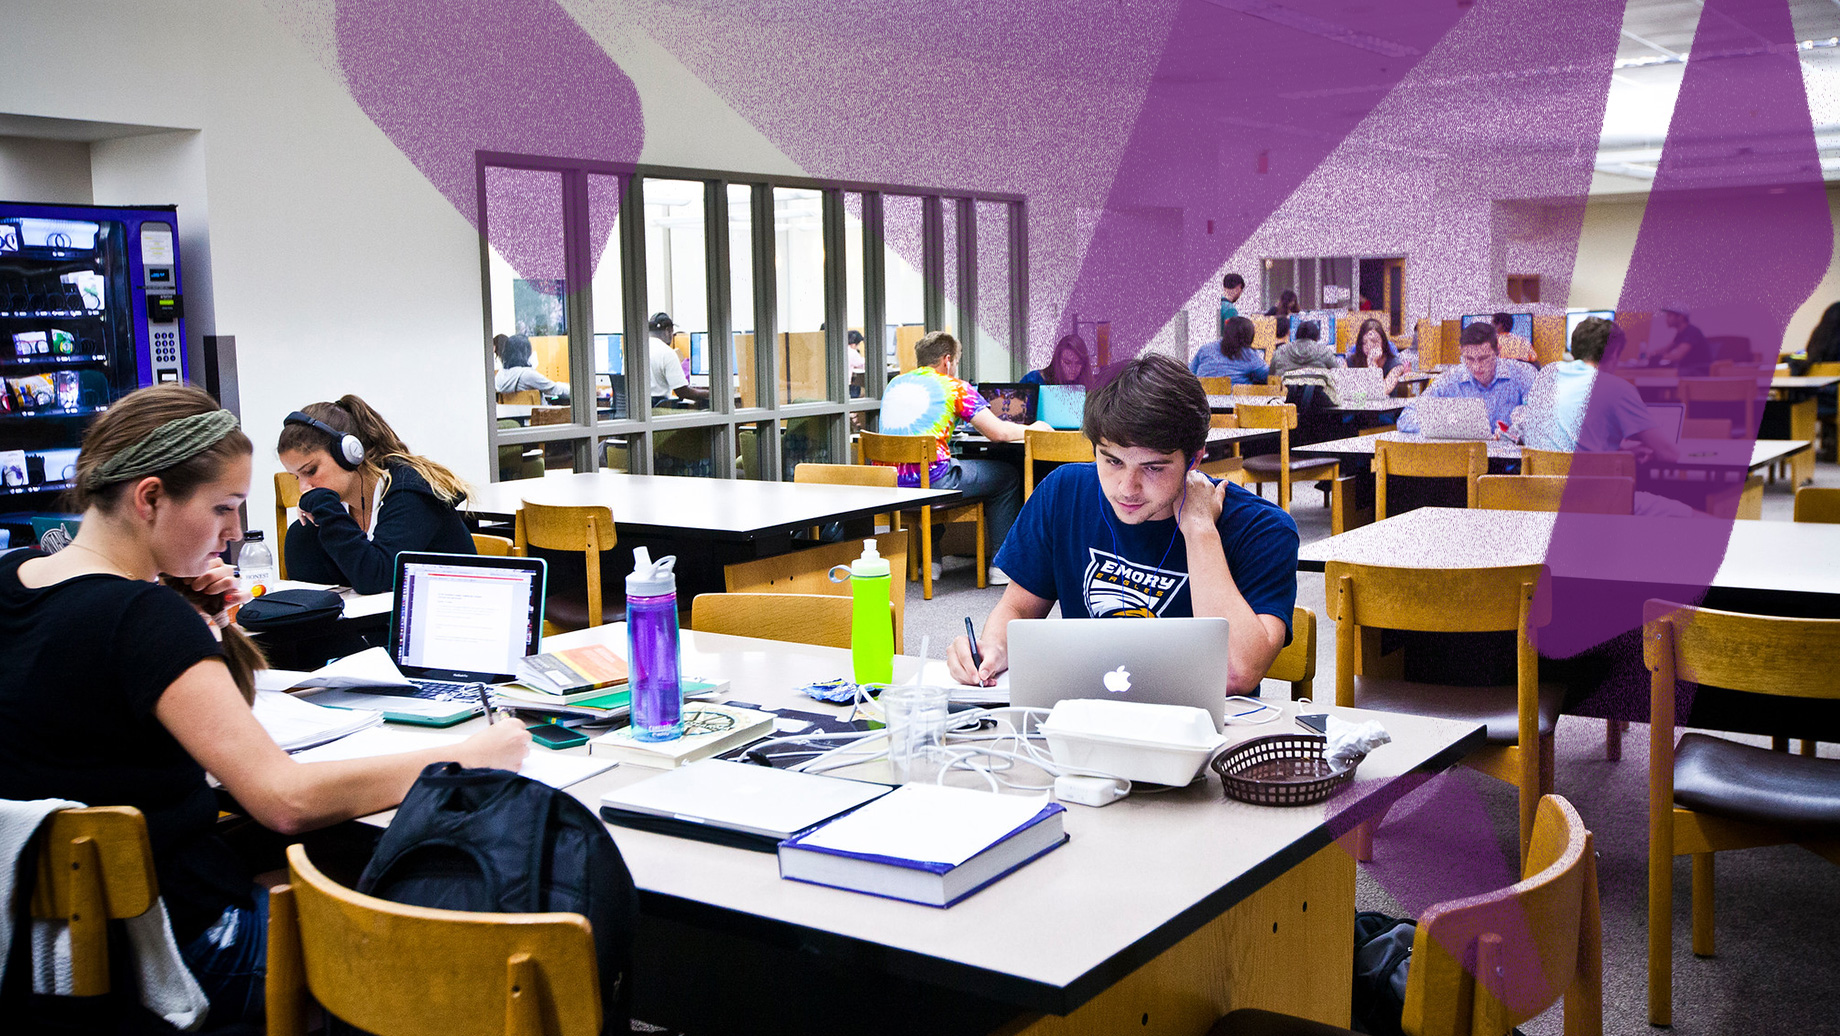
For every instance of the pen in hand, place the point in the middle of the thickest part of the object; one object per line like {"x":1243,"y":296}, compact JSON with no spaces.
{"x":971,"y":635}
{"x":485,"y":699}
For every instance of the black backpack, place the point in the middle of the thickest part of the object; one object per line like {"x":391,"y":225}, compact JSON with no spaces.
{"x":489,"y":840}
{"x":1382,"y":959}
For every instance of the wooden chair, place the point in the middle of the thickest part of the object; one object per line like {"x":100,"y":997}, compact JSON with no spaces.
{"x":851,"y":475}
{"x":919,"y":450}
{"x":397,"y":970}
{"x":1465,"y":460}
{"x":1257,"y":390}
{"x":1580,"y":494}
{"x":1296,"y":663}
{"x":493,"y":546}
{"x":1708,"y":794}
{"x":1062,"y":447}
{"x":820,"y":619}
{"x":583,"y":528}
{"x":1520,"y":717}
{"x":1814,"y":504}
{"x":1724,"y":392}
{"x":1483,"y":965}
{"x":1705,"y":428}
{"x":523,"y":397}
{"x":1279,"y":467}
{"x":808,"y":572}
{"x":1559,"y":462}
{"x":1217,"y":386}
{"x":1750,"y":499}
{"x":95,"y":865}
{"x":287,"y":495}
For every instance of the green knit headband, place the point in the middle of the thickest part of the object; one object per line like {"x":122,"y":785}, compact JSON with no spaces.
{"x":169,"y":445}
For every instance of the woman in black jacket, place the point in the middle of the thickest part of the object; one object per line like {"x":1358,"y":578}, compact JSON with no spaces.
{"x":365,"y":498}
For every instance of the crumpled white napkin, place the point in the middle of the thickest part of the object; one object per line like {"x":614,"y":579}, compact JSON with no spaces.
{"x":1349,"y":742}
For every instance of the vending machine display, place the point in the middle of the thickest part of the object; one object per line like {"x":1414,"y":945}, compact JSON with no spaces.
{"x":90,"y":309}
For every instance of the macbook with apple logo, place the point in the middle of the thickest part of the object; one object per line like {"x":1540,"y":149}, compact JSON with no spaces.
{"x":1156,"y":661}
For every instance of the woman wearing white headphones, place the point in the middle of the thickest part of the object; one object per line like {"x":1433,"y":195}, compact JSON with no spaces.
{"x":365,"y":498}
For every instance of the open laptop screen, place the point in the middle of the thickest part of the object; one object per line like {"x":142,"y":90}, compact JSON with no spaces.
{"x":1062,"y":406}
{"x":1009,"y":401}
{"x":1668,"y":418}
{"x":460,"y":616}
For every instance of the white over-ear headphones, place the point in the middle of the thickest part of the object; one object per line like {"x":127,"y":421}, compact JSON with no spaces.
{"x":346,"y":450}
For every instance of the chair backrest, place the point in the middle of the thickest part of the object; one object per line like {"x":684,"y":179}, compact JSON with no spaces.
{"x":493,"y":546}
{"x":1434,"y":600}
{"x":1258,"y":390}
{"x":1817,"y":504}
{"x":845,"y":474}
{"x":1282,"y":416}
{"x":1825,"y":369}
{"x":1465,"y":460}
{"x":551,"y":415}
{"x":94,"y":865}
{"x":1559,"y":462}
{"x":919,"y":450}
{"x":287,"y":494}
{"x":1223,"y":421}
{"x":1705,"y":428}
{"x":526,"y":397}
{"x":587,"y":528}
{"x":1763,"y":654}
{"x":1719,"y":390}
{"x":1580,"y":494}
{"x":1532,"y":943}
{"x":808,"y":572}
{"x":1217,"y":386}
{"x":394,"y":970}
{"x":1296,"y":663}
{"x":1750,"y":499}
{"x":1044,"y":445}
{"x":819,"y":619}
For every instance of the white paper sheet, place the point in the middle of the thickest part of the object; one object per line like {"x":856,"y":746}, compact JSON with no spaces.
{"x":935,"y":674}
{"x":295,"y":723}
{"x":371,"y":667}
{"x":552,"y":768}
{"x":930,"y":823}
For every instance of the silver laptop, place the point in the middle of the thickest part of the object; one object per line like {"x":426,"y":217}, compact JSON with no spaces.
{"x":757,"y":805}
{"x":1358,"y":384}
{"x":1454,"y":419}
{"x":1668,"y":419}
{"x":1159,"y":661}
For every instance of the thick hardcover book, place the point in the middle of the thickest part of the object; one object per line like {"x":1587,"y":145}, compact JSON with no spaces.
{"x":938,"y":883}
{"x":708,"y":730}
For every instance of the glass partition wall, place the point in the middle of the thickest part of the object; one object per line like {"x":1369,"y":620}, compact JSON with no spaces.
{"x":690,"y":322}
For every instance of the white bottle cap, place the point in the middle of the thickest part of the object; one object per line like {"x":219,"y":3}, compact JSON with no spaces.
{"x":651,"y":578}
{"x":871,"y":564}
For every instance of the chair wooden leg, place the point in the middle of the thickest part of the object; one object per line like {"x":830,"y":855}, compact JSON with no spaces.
{"x":1364,"y":842}
{"x":1614,"y":729}
{"x":1779,"y":744}
{"x":1702,"y":904}
{"x":926,"y":553}
{"x":1660,"y":900}
{"x":286,"y":980}
{"x":1810,"y":747}
{"x":982,"y":560}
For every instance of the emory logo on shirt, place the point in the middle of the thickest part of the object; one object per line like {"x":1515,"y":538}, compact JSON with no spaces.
{"x":1119,"y":589}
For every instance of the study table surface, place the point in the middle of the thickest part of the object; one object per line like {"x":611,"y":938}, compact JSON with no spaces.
{"x":1136,"y":879}
{"x":675,"y":506}
{"x":1215,"y":437}
{"x":1225,"y":403}
{"x":1693,"y":452}
{"x":1777,"y":558}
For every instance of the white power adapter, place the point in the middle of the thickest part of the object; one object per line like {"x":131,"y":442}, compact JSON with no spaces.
{"x":1087,"y":791}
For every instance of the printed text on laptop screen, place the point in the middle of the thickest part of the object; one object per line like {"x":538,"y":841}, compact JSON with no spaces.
{"x":465,"y":619}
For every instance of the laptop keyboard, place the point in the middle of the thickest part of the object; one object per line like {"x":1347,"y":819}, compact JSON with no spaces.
{"x":442,"y":690}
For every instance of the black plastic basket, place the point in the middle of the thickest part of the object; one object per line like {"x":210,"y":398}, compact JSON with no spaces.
{"x":1280,"y":770}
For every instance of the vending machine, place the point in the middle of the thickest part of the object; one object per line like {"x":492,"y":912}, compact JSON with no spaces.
{"x":90,"y":310}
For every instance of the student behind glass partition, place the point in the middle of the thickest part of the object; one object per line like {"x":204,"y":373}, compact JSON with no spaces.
{"x":517,"y":375}
{"x":665,"y":368}
{"x":364,"y":497}
{"x":126,"y":684}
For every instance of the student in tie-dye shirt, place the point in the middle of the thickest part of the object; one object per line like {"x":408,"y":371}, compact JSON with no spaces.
{"x":929,"y":400}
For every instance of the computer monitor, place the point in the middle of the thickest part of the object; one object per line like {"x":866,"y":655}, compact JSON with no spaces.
{"x":1062,"y":406}
{"x":699,"y":353}
{"x":1574,"y":317}
{"x":607,"y":350}
{"x":1325,"y":320}
{"x":1523,"y":323}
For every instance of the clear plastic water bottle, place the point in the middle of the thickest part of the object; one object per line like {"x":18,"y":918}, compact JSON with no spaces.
{"x":255,"y":564}
{"x":652,"y":648}
{"x":871,"y":621}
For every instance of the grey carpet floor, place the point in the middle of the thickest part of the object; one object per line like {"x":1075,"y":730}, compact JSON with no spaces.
{"x":1778,"y":909}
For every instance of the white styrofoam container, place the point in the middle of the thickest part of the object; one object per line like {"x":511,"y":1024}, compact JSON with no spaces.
{"x":1157,"y":744}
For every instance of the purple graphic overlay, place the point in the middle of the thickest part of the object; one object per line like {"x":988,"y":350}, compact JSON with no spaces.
{"x":447,"y":78}
{"x":1735,"y":235}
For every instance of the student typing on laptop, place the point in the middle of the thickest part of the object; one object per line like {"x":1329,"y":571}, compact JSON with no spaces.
{"x":1501,"y":384}
{"x":1141,"y":533}
{"x":121,"y":691}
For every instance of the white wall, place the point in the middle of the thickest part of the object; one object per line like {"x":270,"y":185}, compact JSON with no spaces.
{"x":46,"y":171}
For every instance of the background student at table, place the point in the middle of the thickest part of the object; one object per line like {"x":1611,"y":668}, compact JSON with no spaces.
{"x":1232,"y":286}
{"x":1287,"y":304}
{"x":1512,"y":346}
{"x":517,"y":375}
{"x":1232,"y":356}
{"x":929,"y":400}
{"x":1306,"y":350}
{"x":665,"y":369}
{"x":1501,"y":384}
{"x":1068,"y":366}
{"x":365,"y":497}
{"x":1689,"y":350}
{"x":1372,"y":348}
{"x":120,"y":691}
{"x":1140,"y":533}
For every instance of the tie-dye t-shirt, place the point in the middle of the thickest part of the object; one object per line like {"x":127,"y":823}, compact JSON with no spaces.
{"x":926,"y":402}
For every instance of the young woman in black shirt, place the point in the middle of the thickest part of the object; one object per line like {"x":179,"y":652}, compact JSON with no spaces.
{"x":365,"y":498}
{"x":119,"y":691}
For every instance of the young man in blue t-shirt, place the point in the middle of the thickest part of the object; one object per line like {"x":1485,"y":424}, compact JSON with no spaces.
{"x":1142,"y":533}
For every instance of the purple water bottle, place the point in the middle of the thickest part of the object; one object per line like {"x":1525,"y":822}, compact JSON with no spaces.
{"x":651,"y":648}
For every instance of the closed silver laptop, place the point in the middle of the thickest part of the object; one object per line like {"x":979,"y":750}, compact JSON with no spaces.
{"x":1358,"y":384}
{"x":1158,"y":661}
{"x":1454,"y":419}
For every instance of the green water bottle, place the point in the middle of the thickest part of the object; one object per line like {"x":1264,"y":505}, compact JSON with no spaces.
{"x":871,"y":617}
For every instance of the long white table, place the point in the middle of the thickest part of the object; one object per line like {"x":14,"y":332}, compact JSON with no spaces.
{"x":1179,"y":905}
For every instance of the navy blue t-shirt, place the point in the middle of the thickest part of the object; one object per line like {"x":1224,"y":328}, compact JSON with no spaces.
{"x":1070,"y":547}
